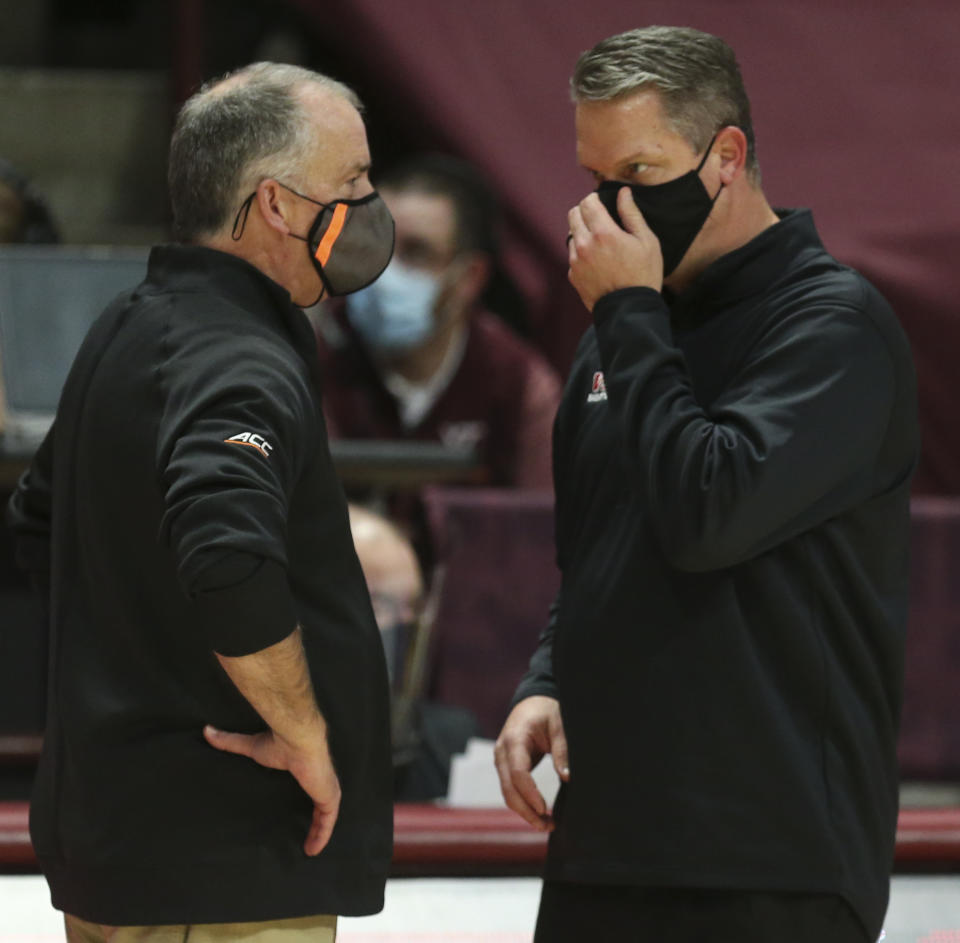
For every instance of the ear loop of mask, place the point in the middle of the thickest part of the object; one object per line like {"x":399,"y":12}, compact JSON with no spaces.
{"x":240,"y":224}
{"x":236,"y":234}
{"x":703,"y":160}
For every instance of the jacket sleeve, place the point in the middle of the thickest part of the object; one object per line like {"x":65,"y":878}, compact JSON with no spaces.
{"x":793,"y":439}
{"x":539,"y":677}
{"x":30,"y":514}
{"x":233,"y":441}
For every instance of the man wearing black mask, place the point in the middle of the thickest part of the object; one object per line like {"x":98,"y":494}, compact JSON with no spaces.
{"x":216,"y":763}
{"x":720,"y":679}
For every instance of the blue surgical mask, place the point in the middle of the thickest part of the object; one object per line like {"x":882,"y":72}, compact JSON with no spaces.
{"x":395,"y":313}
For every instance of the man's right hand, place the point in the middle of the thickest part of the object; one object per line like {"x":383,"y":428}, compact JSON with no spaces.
{"x":313,"y":770}
{"x":533,"y":729}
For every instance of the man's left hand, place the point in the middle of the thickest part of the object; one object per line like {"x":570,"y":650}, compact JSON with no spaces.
{"x":604,"y":257}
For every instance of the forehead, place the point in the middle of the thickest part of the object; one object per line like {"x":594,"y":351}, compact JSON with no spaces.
{"x":612,"y":131}
{"x":429,"y":216}
{"x":340,"y":133}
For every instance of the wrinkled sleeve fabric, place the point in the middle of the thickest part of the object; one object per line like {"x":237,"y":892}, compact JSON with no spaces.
{"x":234,"y":437}
{"x":30,"y":514}
{"x":539,"y":679}
{"x":792,"y":440}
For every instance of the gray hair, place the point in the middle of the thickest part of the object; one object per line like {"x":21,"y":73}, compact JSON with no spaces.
{"x":235,"y":131}
{"x":695,"y":74}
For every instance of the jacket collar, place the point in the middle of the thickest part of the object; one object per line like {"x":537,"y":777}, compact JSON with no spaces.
{"x":201,"y":269}
{"x":748,"y":271}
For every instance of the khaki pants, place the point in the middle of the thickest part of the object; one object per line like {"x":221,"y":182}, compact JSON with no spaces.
{"x":321,"y":929}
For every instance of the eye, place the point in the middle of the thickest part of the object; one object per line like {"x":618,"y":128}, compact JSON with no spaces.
{"x":636,"y":168}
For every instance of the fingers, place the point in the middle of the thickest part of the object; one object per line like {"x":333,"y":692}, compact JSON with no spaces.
{"x":318,"y":780}
{"x":521,"y":795}
{"x":240,"y":743}
{"x":604,"y":256}
{"x":558,"y":748}
{"x":590,"y":217}
{"x":533,"y":729}
{"x":321,"y":827}
{"x":586,"y":219}
{"x":630,"y":214}
{"x":595,"y":215}
{"x":571,"y":249}
{"x":579,"y":233}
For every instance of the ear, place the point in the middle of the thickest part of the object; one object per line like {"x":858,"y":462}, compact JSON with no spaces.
{"x":731,"y":145}
{"x":274,"y":205}
{"x":473,"y":277}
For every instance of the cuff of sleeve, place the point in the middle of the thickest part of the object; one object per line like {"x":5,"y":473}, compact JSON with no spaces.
{"x":534,"y":687}
{"x":250,"y":615}
{"x":640,"y":296}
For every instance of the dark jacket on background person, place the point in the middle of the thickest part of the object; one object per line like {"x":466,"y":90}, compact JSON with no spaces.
{"x":732,"y":473}
{"x":184,"y":503}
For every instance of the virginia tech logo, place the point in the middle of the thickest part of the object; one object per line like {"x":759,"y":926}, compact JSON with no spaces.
{"x":253,"y":441}
{"x":598,"y":390}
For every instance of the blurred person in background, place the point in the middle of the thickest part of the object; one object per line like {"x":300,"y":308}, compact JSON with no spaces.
{"x":426,"y":735}
{"x":25,"y":216}
{"x":394,"y":580}
{"x":418,"y":355}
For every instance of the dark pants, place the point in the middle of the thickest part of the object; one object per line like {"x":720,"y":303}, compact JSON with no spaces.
{"x":584,"y":913}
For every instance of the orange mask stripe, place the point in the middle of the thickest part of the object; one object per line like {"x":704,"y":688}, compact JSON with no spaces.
{"x":332,"y":234}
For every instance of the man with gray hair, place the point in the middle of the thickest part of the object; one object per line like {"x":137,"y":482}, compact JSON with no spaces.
{"x":216,"y":763}
{"x":719,"y":684}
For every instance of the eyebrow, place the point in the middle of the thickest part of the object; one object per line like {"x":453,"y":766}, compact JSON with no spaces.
{"x":640,"y":157}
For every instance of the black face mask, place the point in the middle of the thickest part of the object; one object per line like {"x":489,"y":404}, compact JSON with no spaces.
{"x":675,"y":211}
{"x":350,"y":241}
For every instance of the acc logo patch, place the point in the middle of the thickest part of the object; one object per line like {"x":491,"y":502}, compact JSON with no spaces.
{"x":253,"y":441}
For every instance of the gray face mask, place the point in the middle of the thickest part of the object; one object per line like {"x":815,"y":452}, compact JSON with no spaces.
{"x":350,"y":242}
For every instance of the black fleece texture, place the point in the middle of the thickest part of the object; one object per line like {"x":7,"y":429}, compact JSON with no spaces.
{"x":184,"y":503}
{"x":732,"y":470}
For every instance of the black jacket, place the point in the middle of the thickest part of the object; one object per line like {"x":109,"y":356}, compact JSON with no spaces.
{"x":185,"y":503}
{"x":732,"y":473}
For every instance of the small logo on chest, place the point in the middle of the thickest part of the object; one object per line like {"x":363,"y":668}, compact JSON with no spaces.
{"x":598,"y":390}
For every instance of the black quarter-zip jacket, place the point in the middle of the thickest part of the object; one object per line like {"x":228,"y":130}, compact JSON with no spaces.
{"x":732,"y":473}
{"x":184,"y":503}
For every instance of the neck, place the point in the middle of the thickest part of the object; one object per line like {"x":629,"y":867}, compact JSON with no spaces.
{"x":422,"y":364}
{"x":737,"y":225}
{"x":272,"y":257}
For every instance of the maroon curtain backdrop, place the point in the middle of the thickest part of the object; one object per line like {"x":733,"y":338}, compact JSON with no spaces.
{"x":854,"y":108}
